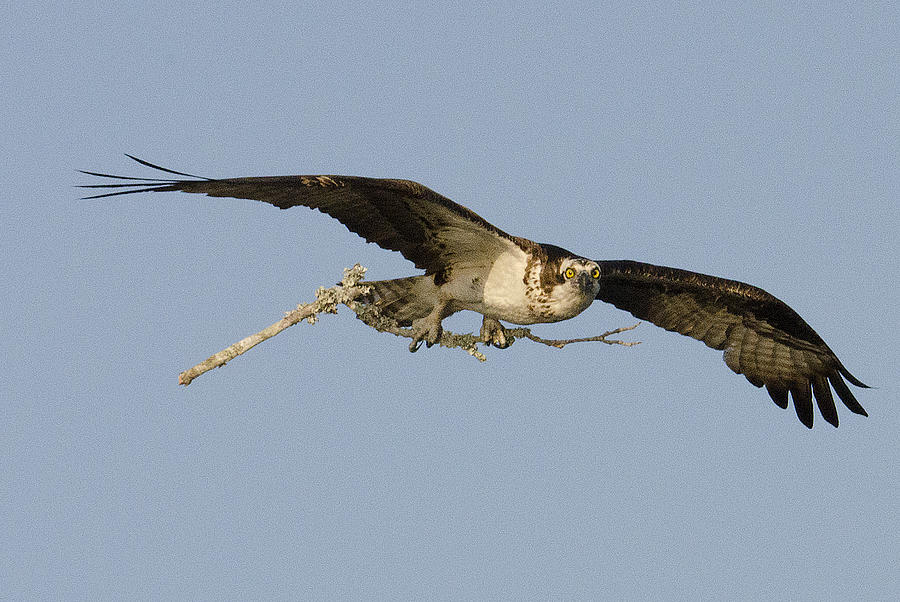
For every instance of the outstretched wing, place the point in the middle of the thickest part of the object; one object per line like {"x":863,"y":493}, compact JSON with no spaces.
{"x":763,"y":338}
{"x":428,"y":229}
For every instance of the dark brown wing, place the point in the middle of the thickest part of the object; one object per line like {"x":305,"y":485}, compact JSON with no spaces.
{"x":428,"y":229}
{"x":763,"y":338}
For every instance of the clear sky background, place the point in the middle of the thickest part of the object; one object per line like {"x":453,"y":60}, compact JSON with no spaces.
{"x":756,"y":142}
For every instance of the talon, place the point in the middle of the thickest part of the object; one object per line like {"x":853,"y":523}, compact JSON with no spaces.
{"x":426,"y":330}
{"x":493,"y":333}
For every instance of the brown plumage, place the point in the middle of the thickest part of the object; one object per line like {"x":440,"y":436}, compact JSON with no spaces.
{"x":471,"y":264}
{"x":763,"y":338}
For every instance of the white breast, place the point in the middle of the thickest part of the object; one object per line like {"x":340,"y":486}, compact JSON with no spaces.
{"x":504,"y":290}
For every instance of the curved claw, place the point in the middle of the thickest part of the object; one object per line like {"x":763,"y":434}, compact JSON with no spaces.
{"x":493,"y":333}
{"x":425,"y":330}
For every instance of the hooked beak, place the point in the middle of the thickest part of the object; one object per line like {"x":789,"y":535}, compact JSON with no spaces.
{"x":585,"y":281}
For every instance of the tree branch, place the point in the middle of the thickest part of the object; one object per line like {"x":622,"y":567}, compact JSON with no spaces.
{"x":347,"y":293}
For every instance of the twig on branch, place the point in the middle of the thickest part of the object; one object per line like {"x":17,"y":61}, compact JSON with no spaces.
{"x":347,"y":293}
{"x":560,"y":343}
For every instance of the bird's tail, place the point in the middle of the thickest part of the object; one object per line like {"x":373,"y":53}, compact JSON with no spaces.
{"x":405,"y":299}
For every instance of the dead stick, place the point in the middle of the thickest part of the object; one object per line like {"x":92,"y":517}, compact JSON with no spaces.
{"x":232,"y":351}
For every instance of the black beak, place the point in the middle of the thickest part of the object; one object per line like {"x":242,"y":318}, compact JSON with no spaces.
{"x":584,"y":281}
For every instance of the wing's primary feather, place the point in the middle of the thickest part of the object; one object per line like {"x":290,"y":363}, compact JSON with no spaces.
{"x":399,"y":215}
{"x":761,"y":336}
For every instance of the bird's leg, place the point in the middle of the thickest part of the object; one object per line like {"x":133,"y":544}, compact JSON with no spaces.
{"x":493,"y":333}
{"x":428,"y":329}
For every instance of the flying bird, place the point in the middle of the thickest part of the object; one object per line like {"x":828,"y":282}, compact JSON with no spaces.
{"x":470,"y":264}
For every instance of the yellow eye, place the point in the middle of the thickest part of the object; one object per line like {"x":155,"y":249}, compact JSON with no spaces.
{"x":570,"y":272}
{"x":595,"y":273}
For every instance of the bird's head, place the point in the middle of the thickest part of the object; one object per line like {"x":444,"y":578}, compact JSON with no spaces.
{"x":571,"y":284}
{"x":577,"y":274}
{"x":568,"y":274}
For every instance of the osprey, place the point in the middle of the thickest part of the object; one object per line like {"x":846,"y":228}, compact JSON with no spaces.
{"x":471,"y":264}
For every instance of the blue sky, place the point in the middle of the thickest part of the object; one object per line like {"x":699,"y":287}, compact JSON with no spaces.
{"x":757,"y":142}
